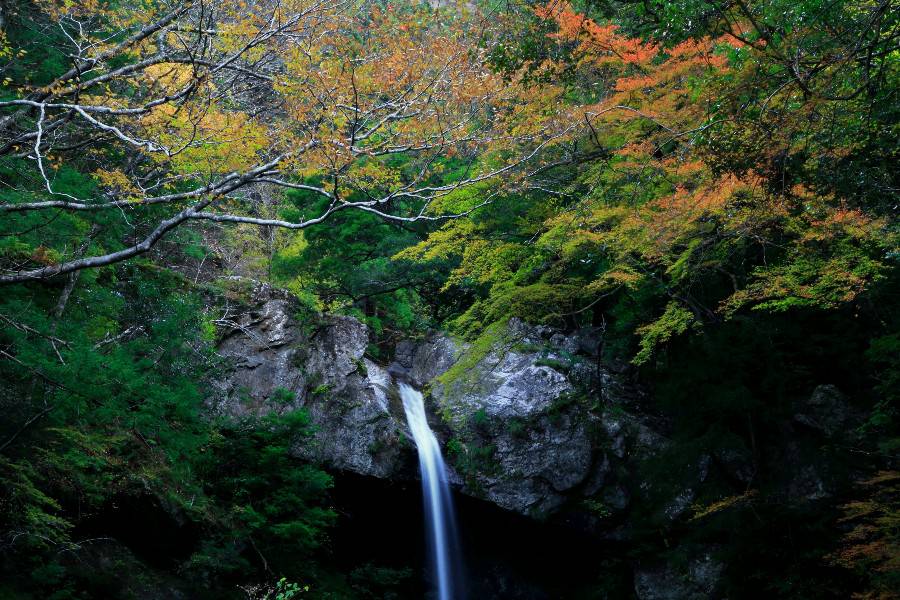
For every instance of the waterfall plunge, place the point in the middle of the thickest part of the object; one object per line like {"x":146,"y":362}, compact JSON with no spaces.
{"x":439,"y":518}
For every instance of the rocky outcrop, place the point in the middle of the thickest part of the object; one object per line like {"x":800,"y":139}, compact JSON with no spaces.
{"x":279,"y":360}
{"x":825,"y":411}
{"x":523,"y":440}
{"x":807,"y":474}
{"x":535,"y":424}
{"x":696,"y":579}
{"x":421,"y":362}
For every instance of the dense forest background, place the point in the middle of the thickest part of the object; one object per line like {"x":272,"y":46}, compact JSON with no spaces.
{"x":712,"y":183}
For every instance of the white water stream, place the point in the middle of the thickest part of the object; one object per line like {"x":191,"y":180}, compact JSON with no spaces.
{"x":439,"y":517}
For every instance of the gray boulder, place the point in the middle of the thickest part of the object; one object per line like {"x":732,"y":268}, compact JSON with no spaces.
{"x":523,"y":445}
{"x":321,"y":364}
{"x":420,"y":362}
{"x":530,"y":433}
{"x":826,"y":411}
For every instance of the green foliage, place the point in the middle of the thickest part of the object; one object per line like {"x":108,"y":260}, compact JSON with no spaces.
{"x":346,"y":267}
{"x":28,"y":511}
{"x":371,"y":581}
{"x":597,"y":508}
{"x":287,"y":591}
{"x":884,"y":355}
{"x":871,"y":547}
{"x":281,"y":590}
{"x":557,"y":365}
{"x":321,"y":389}
{"x":258,"y":494}
{"x":657,"y":236}
{"x":674,"y":321}
{"x":361,"y":367}
{"x":480,"y":418}
{"x":516,"y":427}
{"x":472,"y":458}
{"x":105,"y":404}
{"x":738,"y":249}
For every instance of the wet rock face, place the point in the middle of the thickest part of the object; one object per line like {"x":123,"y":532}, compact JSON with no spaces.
{"x":534,"y":426}
{"x":528,"y":435}
{"x":539,"y":424}
{"x":420,"y":362}
{"x":322,"y":365}
{"x":517,"y":415}
{"x":523,"y":437}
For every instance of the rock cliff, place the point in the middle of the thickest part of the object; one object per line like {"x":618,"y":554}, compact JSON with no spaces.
{"x":536,"y":424}
{"x":279,"y":360}
{"x":531,"y":426}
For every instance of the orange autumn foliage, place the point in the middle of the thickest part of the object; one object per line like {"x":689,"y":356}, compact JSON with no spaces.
{"x":602,"y":43}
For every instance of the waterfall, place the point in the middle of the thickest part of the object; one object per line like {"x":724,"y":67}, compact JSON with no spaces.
{"x":439,"y":518}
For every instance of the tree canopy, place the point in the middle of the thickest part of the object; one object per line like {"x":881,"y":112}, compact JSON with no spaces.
{"x":712,"y":184}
